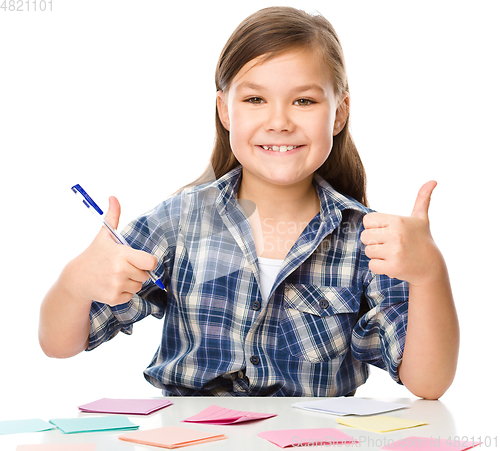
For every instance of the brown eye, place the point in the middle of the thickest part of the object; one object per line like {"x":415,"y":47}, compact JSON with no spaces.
{"x":303,"y":102}
{"x":255,"y":100}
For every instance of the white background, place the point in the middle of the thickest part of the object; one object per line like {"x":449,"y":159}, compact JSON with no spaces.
{"x":119,"y":96}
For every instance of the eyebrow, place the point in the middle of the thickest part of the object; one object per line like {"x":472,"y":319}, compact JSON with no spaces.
{"x":255,"y":87}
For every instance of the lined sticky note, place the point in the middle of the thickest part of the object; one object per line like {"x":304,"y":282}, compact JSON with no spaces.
{"x":220,"y":415}
{"x":380,"y":423}
{"x":430,"y":444}
{"x":58,"y":447}
{"x":22,"y":426}
{"x":308,"y":437}
{"x":125,"y":406}
{"x":93,"y":424}
{"x":171,"y":437}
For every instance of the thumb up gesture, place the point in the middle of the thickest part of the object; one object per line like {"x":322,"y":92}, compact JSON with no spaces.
{"x":402,"y":247}
{"x":109,"y":272}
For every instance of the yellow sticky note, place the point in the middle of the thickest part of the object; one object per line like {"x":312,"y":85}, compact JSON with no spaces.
{"x":379,"y":423}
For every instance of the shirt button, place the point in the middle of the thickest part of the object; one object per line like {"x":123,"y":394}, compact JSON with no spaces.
{"x":256,"y":305}
{"x":324,"y":304}
{"x":255,"y":360}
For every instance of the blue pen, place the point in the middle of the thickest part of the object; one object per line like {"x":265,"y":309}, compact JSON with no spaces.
{"x":99,"y":214}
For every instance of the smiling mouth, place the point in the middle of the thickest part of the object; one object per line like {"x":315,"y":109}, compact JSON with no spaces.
{"x":280,"y":148}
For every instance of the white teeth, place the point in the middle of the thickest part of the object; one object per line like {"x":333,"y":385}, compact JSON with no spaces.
{"x":279,"y":148}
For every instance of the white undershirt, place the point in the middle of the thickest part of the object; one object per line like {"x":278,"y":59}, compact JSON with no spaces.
{"x":269,"y":269}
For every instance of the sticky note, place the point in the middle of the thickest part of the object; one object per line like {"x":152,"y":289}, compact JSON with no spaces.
{"x":308,"y":437}
{"x":93,"y":424}
{"x":220,"y":415}
{"x":22,"y":426}
{"x":171,"y":437}
{"x":125,"y":406}
{"x":349,"y":406}
{"x":430,"y":444}
{"x":380,"y":423}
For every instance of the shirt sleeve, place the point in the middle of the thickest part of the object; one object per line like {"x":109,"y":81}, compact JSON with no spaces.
{"x":155,"y":233}
{"x":379,"y":336}
{"x":106,"y":321}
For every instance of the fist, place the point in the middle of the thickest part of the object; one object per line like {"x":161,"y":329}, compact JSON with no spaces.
{"x":402,"y":247}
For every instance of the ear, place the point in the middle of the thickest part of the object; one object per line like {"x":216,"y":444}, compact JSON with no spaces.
{"x":222,"y":109}
{"x":341,"y":114}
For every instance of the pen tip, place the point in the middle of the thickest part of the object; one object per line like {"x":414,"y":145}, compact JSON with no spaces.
{"x":159,"y":283}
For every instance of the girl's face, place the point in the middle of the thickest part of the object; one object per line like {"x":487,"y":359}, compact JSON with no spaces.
{"x":282,"y":115}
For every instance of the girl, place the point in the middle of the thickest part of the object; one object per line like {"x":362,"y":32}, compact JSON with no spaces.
{"x":280,"y":281}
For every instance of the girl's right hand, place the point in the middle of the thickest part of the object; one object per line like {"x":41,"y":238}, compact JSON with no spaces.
{"x":106,"y":271}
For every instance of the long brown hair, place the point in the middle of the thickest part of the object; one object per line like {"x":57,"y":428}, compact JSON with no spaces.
{"x":270,"y":32}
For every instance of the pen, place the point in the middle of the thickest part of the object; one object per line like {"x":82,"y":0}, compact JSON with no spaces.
{"x":99,"y":214}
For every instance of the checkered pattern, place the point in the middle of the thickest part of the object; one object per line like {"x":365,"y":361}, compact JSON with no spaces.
{"x":327,"y":316}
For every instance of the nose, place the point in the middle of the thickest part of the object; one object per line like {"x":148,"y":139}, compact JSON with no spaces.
{"x":279,"y":119}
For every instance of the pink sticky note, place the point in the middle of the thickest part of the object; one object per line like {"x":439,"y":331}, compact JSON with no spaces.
{"x":308,"y":437}
{"x":171,"y":437}
{"x":125,"y":406}
{"x":220,"y":415}
{"x":429,"y":443}
{"x":58,"y":447}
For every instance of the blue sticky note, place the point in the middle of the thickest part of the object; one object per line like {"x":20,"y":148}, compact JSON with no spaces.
{"x":22,"y":426}
{"x":94,"y":424}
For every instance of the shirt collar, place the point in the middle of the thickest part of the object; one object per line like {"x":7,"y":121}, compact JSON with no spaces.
{"x":226,"y":186}
{"x":332,"y":203}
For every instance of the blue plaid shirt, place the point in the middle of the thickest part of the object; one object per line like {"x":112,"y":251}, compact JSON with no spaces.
{"x":327,"y":316}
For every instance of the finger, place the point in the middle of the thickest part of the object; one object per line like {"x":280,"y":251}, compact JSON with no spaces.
{"x":113,"y":214}
{"x":377,"y":266}
{"x":132,"y":286}
{"x":375,"y":251}
{"x":139,"y":275}
{"x":421,"y":207}
{"x":376,"y":220}
{"x":374,"y":236}
{"x":141,"y":259}
{"x":123,"y":297}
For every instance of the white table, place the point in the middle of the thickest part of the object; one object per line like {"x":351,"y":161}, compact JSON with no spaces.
{"x":244,"y":436}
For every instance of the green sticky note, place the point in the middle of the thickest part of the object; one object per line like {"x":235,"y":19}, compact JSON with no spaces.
{"x":94,"y":424}
{"x":22,"y":426}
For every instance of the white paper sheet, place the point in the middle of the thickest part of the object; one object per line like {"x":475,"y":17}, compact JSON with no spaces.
{"x":349,"y":406}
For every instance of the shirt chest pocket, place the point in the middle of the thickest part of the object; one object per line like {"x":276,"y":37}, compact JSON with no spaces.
{"x":316,"y":321}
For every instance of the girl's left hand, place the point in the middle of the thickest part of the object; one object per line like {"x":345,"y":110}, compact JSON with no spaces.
{"x":402,"y":247}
